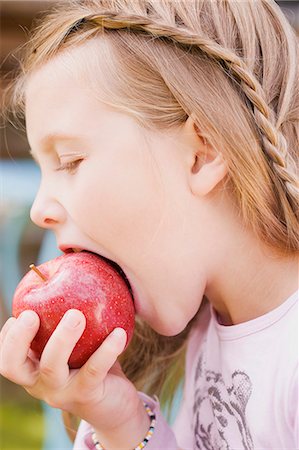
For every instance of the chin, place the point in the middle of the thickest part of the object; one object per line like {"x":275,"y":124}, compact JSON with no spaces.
{"x":169,"y":329}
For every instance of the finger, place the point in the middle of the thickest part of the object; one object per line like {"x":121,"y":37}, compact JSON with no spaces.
{"x":99,"y":364}
{"x":54,"y":367}
{"x":15,"y":364}
{"x":5,"y":329}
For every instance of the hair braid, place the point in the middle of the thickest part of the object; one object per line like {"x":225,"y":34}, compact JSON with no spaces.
{"x":273,"y":142}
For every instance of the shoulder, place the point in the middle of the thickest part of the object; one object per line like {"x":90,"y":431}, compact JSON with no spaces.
{"x":285,"y":334}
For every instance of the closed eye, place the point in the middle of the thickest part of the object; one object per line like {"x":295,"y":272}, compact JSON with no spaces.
{"x":71,"y":166}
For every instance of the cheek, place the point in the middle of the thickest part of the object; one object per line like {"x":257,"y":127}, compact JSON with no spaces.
{"x":118,"y":202}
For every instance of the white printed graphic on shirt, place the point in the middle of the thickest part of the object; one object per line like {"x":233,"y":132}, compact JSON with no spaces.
{"x":219,"y":410}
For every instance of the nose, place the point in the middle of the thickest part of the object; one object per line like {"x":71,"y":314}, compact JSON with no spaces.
{"x":46,"y":211}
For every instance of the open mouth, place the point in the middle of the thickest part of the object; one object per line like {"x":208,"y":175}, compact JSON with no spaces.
{"x":115,"y":266}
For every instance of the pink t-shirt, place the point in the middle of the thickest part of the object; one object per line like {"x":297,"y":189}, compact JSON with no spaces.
{"x":241,"y":387}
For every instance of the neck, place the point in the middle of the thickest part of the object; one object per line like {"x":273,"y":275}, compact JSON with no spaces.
{"x":251,"y":281}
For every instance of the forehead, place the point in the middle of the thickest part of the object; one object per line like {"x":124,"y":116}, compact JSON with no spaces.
{"x":61,"y":91}
{"x":67,"y":97}
{"x":69,"y":69}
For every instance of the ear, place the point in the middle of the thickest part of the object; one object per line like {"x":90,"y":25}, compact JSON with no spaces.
{"x":206,"y":165}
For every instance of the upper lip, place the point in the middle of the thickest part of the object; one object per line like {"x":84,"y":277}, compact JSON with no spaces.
{"x":66,"y":248}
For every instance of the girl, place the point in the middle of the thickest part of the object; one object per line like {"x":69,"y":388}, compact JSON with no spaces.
{"x":167,"y":136}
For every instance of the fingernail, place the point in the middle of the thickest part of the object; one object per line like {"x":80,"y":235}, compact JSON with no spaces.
{"x":27,"y":318}
{"x":118,"y":333}
{"x":71,"y":319}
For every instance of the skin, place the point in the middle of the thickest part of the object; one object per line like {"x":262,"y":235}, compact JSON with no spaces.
{"x":156,"y":203}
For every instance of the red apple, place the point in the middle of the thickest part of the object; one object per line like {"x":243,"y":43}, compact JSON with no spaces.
{"x":82,"y":281}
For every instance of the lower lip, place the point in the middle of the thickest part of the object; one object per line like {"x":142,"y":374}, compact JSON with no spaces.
{"x":136,"y":300}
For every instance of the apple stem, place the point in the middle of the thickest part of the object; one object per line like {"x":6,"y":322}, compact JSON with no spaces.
{"x":32,"y":267}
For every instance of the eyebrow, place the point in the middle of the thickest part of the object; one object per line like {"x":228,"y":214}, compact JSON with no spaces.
{"x":47,"y":141}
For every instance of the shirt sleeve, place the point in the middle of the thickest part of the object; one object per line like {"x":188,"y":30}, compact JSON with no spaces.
{"x":163,"y":437}
{"x":83,"y":439}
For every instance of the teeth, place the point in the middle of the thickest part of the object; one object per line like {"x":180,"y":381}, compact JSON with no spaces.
{"x":76,"y":250}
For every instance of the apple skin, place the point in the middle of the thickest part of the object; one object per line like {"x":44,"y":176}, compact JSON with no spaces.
{"x":82,"y":281}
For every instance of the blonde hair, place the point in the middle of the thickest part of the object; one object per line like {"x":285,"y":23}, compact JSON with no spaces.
{"x":233,"y":67}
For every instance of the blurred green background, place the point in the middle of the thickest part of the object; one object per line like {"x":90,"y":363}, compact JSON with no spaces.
{"x":26,"y":423}
{"x":21,"y":419}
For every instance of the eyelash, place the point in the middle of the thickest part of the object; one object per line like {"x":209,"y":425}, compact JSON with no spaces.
{"x":70,"y":167}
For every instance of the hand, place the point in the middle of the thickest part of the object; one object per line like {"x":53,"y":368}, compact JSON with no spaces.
{"x":98,"y":392}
